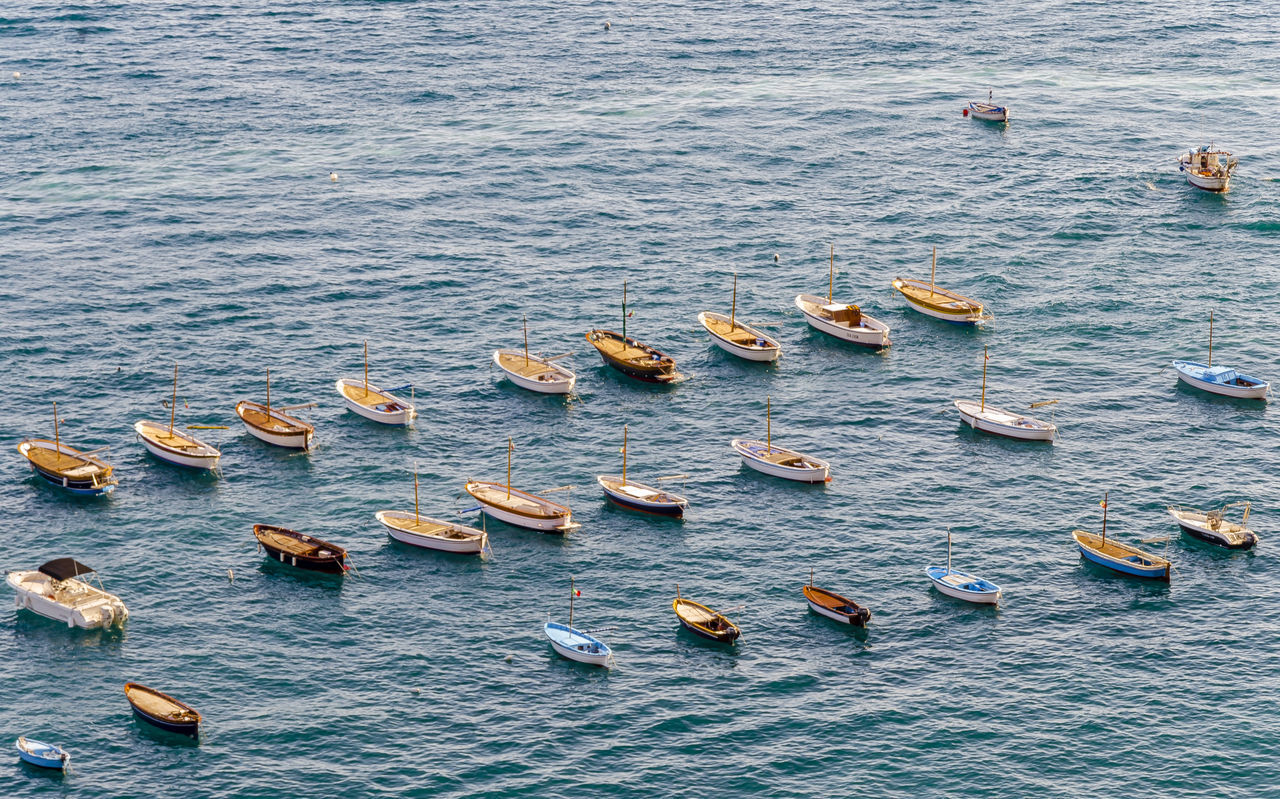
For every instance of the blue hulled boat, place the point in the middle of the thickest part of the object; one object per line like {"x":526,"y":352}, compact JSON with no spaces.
{"x":38,"y":753}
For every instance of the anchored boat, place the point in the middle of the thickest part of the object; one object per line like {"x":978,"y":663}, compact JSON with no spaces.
{"x":736,"y":338}
{"x":273,"y":425}
{"x":55,"y":591}
{"x":981,"y":416}
{"x":1208,"y":168}
{"x":574,"y":644}
{"x":429,"y":533}
{"x":833,"y":606}
{"x":988,"y":111}
{"x":162,"y":710}
{"x":777,"y":461}
{"x":959,"y":585}
{"x":534,"y":372}
{"x":175,"y":446}
{"x":301,"y":550}
{"x":638,"y":496}
{"x":1120,"y":557}
{"x":940,"y":303}
{"x":521,"y":508}
{"x":1214,"y":527}
{"x":374,"y":403}
{"x":67,"y":467}
{"x":38,"y":753}
{"x":845,"y":322}
{"x":703,"y":621}
{"x":1223,"y":380}
{"x":630,"y":357}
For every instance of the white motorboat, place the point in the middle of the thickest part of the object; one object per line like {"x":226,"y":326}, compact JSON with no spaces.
{"x":55,"y":591}
{"x":1208,"y":168}
{"x":958,"y":585}
{"x":1213,"y":526}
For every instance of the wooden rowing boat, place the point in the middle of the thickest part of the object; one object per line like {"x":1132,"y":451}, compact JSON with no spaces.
{"x":638,"y":496}
{"x":988,"y":111}
{"x":841,"y":321}
{"x":424,"y":531}
{"x":301,"y":550}
{"x":574,"y":644}
{"x":703,"y":621}
{"x":629,"y":356}
{"x":520,"y":508}
{"x":1224,"y":380}
{"x":373,"y":403}
{"x":45,"y":755}
{"x":175,"y":446}
{"x":788,"y":464}
{"x":989,"y":419}
{"x":736,"y":338}
{"x":940,"y":303}
{"x":162,"y":710}
{"x":1111,"y":554}
{"x":534,"y":372}
{"x":273,"y":425}
{"x":834,"y":606}
{"x":959,"y":585}
{"x":67,"y":467}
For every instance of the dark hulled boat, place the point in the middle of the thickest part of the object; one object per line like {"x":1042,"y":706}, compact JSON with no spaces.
{"x":301,"y":550}
{"x":833,"y":606}
{"x":162,"y":710}
{"x":703,"y":621}
{"x":633,"y":358}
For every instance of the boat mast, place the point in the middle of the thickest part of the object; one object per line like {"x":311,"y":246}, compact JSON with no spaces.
{"x":985,"y":358}
{"x":1210,"y":339}
{"x":831,"y":275}
{"x":510,"y":447}
{"x":366,"y":367}
{"x":57,"y":445}
{"x":811,"y":577}
{"x":733,"y":310}
{"x":624,"y":455}
{"x":268,"y":392}
{"x":768,"y":425}
{"x":948,"y":550}
{"x":571,"y":604}
{"x":526,"y":340}
{"x":173,"y":403}
{"x":624,"y":314}
{"x":416,"y":519}
{"x":933,"y":273}
{"x":1104,"y":519}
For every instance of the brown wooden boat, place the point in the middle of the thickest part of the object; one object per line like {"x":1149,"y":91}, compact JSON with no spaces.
{"x":301,"y":550}
{"x":630,"y":356}
{"x":703,"y":621}
{"x":67,"y":467}
{"x":162,"y":710}
{"x":833,"y":606}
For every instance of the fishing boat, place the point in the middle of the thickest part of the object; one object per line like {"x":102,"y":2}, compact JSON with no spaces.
{"x":940,"y":303}
{"x":845,"y":322}
{"x":963,"y":586}
{"x":736,"y":338}
{"x":67,"y":467}
{"x":703,"y":621}
{"x":833,"y":606}
{"x":273,"y":425}
{"x":1223,"y":380}
{"x":988,"y":111}
{"x":376,"y":404}
{"x":1120,"y":557}
{"x":38,"y":753}
{"x":55,"y":591}
{"x":175,"y":446}
{"x":988,"y":419}
{"x":778,"y":461}
{"x":638,"y":496}
{"x":301,"y":550}
{"x":1208,"y":168}
{"x":429,"y":533}
{"x":1213,"y":526}
{"x":520,"y":508}
{"x":630,"y":357}
{"x":162,"y":710}
{"x":534,"y":372}
{"x":574,"y":644}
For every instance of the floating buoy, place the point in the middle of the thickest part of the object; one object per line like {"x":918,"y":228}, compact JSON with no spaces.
{"x":231,"y":575}
{"x":333,"y":177}
{"x":509,"y":658}
{"x":415,"y":690}
{"x":965,"y":112}
{"x":17,"y":75}
{"x":607,"y":24}
{"x":775,"y":257}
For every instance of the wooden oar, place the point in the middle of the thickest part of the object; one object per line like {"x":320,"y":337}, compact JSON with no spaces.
{"x":671,"y":477}
{"x":558,"y":357}
{"x":295,"y":407}
{"x":1044,"y":403}
{"x":553,"y":490}
{"x":209,"y":426}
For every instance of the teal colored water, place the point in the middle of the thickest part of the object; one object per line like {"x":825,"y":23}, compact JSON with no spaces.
{"x":167,"y":199}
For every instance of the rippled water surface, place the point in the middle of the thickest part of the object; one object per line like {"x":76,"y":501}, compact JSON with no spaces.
{"x":167,"y":199}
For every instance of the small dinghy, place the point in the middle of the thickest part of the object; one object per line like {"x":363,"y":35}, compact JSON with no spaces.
{"x":174,"y":446}
{"x":575,"y":644}
{"x":521,"y":508}
{"x":703,"y":621}
{"x":845,"y":322}
{"x":1208,"y":168}
{"x":988,"y":111}
{"x":38,"y":753}
{"x":423,"y":531}
{"x":777,"y":461}
{"x":301,"y":550}
{"x":55,"y":591}
{"x":162,"y":710}
{"x":533,"y":372}
{"x":66,"y":467}
{"x":963,"y":586}
{"x":376,"y":404}
{"x":930,"y":300}
{"x":638,"y":496}
{"x":736,"y":338}
{"x":1222,"y":380}
{"x":981,"y":416}
{"x":1213,"y":526}
{"x":1120,"y":557}
{"x":833,"y":606}
{"x":630,"y":357}
{"x":273,"y":425}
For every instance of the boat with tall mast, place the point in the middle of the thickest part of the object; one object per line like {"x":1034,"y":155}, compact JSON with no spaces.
{"x":424,"y":531}
{"x":534,"y":372}
{"x":371,"y":402}
{"x":1225,"y":380}
{"x":931,"y":300}
{"x":736,"y":338}
{"x":575,"y":644}
{"x":988,"y":419}
{"x":958,"y":585}
{"x":638,"y":496}
{"x":764,"y":457}
{"x":520,"y":508}
{"x":988,"y":111}
{"x":67,"y":467}
{"x":273,"y":425}
{"x":845,"y":322}
{"x":175,"y":446}
{"x":630,"y":357}
{"x":1123,"y":558}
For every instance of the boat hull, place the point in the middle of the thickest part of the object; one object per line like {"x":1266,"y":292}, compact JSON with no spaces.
{"x":561,"y":381}
{"x":83,"y":488}
{"x":467,"y":546}
{"x":394,"y":412}
{"x":1139,"y":564}
{"x":96,"y":483}
{"x":872,"y":333}
{"x":660,"y":369}
{"x":300,"y":439}
{"x":770,"y":350}
{"x":335,"y":563}
{"x":41,"y":754}
{"x":578,"y":646}
{"x":550,"y":522}
{"x":672,"y":509}
{"x":819,"y":472}
{"x":136,"y":694}
{"x":191,"y":729}
{"x":989,"y":421}
{"x":962,"y":310}
{"x":32,"y":592}
{"x":1247,"y":539}
{"x":1189,"y":373}
{"x":939,"y":575}
{"x":199,"y":458}
{"x":857,"y":619}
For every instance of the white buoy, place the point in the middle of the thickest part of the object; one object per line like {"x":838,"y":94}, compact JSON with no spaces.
{"x":333,"y":177}
{"x":775,"y":257}
{"x":17,"y":75}
{"x":415,"y":690}
{"x":231,"y":575}
{"x":509,"y":658}
{"x":607,"y":24}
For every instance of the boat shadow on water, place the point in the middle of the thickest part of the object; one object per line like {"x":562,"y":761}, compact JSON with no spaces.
{"x":1184,"y":392}
{"x":685,"y":636}
{"x":972,"y":437}
{"x":275,"y":571}
{"x":1092,"y":573}
{"x":451,"y":562}
{"x":32,"y":627}
{"x":32,"y":770}
{"x":822,"y":624}
{"x":154,"y":734}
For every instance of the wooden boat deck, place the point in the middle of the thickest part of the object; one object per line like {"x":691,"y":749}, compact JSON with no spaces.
{"x":76,"y":467}
{"x":516,"y":501}
{"x":428,"y":528}
{"x":531,"y":368}
{"x":939,"y":298}
{"x":311,"y":547}
{"x":1119,"y":551}
{"x":175,"y":440}
{"x":735,"y":333}
{"x":371,"y":398}
{"x":622,"y":351}
{"x":256,"y":415}
{"x":154,"y":704}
